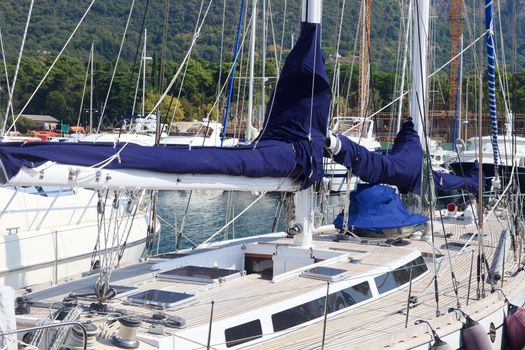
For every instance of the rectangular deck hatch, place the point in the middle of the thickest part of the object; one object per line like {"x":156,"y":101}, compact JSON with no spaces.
{"x":200,"y":274}
{"x":324,"y":273}
{"x":162,"y":298}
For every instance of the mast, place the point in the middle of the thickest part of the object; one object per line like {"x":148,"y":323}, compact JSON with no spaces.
{"x":456,"y":38}
{"x":457,"y":97}
{"x":252,"y":65}
{"x":303,"y":224}
{"x":144,"y":74}
{"x":91,"y":90}
{"x":263,"y":72}
{"x":364,"y":59}
{"x":491,"y":62}
{"x":418,"y":92}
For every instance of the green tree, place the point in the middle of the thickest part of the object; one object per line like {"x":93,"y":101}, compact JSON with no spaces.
{"x":170,"y":108}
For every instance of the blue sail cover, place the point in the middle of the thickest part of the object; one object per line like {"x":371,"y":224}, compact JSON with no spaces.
{"x":449,"y":182}
{"x":291,"y":144}
{"x":402,"y":167}
{"x":296,"y":116}
{"x":375,"y":208}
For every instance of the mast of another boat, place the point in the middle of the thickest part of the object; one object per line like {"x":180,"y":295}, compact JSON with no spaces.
{"x":302,"y":228}
{"x":144,"y":74}
{"x":91,"y":89}
{"x":251,"y":81}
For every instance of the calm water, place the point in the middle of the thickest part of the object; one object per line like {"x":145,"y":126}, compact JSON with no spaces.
{"x":208,"y":212}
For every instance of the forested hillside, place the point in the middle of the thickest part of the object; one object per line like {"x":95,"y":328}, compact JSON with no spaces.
{"x":53,"y":20}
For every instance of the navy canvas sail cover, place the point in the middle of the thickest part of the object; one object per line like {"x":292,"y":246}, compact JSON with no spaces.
{"x":298,"y":110}
{"x":402,"y":167}
{"x":376,"y":208}
{"x":273,"y":158}
{"x":470,"y":182}
{"x":291,"y":144}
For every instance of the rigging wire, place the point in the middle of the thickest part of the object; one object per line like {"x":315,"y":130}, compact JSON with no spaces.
{"x":403,"y":69}
{"x":270,"y":18}
{"x":141,"y":32}
{"x":104,"y":106}
{"x":8,"y":85}
{"x":52,"y":65}
{"x":12,"y":90}
{"x":337,"y":64}
{"x":282,"y":34}
{"x":84,"y":90}
{"x":234,"y":66}
{"x":222,"y":48}
{"x":177,"y":104}
{"x":430,"y":75}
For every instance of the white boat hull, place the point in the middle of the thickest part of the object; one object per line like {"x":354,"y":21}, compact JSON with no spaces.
{"x":52,"y":239}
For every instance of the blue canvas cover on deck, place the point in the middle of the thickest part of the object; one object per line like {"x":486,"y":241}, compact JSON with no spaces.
{"x":376,"y":208}
{"x":402,"y":167}
{"x":290,"y":145}
{"x":450,"y":182}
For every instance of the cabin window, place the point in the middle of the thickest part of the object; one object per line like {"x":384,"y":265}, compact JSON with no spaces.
{"x":243,"y":333}
{"x":401,"y":275}
{"x":314,"y":309}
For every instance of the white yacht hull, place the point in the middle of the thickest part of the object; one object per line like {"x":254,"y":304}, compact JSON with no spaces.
{"x":51,"y":239}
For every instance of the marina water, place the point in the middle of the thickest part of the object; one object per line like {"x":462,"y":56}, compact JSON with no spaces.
{"x":207,"y":213}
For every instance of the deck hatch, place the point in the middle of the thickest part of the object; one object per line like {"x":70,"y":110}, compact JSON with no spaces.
{"x":243,"y":333}
{"x":160,"y":298}
{"x":200,"y":274}
{"x":325,"y":273}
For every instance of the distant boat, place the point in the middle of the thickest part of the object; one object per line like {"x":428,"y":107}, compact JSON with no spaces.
{"x":49,"y":235}
{"x":196,"y":133}
{"x":337,"y":175}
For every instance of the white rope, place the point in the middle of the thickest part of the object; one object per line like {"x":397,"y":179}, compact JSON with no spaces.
{"x":277,"y":68}
{"x":175,"y":229}
{"x":177,"y":103}
{"x":6,"y":73}
{"x":102,"y":115}
{"x":138,"y":84}
{"x":403,"y":70}
{"x":84,"y":90}
{"x":504,"y":87}
{"x":10,"y":102}
{"x":184,"y":61}
{"x":282,"y":34}
{"x":356,"y":39}
{"x":430,"y":76}
{"x":53,"y":64}
{"x":337,"y":64}
{"x":232,"y":220}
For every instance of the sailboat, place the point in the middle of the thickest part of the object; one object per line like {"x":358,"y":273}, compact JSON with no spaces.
{"x":501,"y":155}
{"x":50,"y":235}
{"x":301,"y":289}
